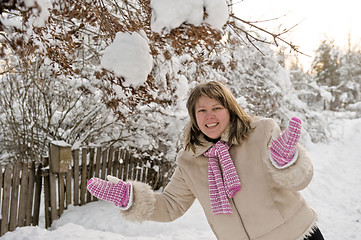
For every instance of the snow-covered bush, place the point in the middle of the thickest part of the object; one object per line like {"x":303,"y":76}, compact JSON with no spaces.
{"x":116,"y":73}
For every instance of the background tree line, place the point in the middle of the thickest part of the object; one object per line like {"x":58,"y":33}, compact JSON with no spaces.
{"x":334,"y":80}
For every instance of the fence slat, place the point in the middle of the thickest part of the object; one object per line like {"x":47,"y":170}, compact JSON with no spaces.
{"x":133,"y":165}
{"x":115,"y":164}
{"x":30,"y":196}
{"x":47,"y":201}
{"x":104,"y":163}
{"x":110,"y":161}
{"x":76,"y":177}
{"x":83,"y":175}
{"x":97,"y":162}
{"x":1,"y":186}
{"x":90,"y":171}
{"x":47,"y":206}
{"x":139,"y":171}
{"x":61,"y":192}
{"x":6,"y":199}
{"x":15,"y":196}
{"x":68,"y":177}
{"x":126,"y":166}
{"x":23,"y":195}
{"x":52,"y":185}
{"x":38,"y":186}
{"x":121,"y":164}
{"x":145,"y":170}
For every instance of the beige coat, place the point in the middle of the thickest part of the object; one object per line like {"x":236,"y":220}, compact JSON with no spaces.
{"x":268,"y":206}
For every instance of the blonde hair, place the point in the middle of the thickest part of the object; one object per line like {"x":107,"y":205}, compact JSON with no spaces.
{"x":240,"y":121}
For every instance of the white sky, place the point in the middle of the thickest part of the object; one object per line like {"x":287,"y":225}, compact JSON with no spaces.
{"x":319,"y":20}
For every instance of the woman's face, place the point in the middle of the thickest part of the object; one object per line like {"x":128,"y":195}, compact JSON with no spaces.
{"x":212,"y":117}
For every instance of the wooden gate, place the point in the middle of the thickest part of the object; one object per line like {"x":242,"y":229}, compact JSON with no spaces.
{"x":65,"y":180}
{"x":20,"y":200}
{"x":64,"y":175}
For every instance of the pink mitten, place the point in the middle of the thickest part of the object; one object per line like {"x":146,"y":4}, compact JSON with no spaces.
{"x":283,"y":149}
{"x":115,"y":190}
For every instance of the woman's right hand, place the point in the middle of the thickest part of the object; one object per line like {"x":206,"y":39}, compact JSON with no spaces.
{"x":114,"y":190}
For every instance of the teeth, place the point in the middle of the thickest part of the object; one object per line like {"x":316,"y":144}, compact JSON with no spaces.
{"x":212,"y":125}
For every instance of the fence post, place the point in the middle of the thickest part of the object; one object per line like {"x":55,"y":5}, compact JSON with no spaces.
{"x":59,"y":162}
{"x":60,"y":157}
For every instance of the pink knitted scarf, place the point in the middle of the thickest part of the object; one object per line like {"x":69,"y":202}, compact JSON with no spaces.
{"x":221,"y":188}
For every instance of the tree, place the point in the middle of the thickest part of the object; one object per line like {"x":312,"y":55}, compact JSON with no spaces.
{"x":350,"y":78}
{"x":325,"y":67}
{"x":339,"y":74}
{"x":55,"y":53}
{"x":325,"y":64}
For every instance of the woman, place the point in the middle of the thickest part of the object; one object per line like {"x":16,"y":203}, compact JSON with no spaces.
{"x":243,"y":172}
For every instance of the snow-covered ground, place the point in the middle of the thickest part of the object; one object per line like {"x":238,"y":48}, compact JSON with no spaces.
{"x":334,"y":193}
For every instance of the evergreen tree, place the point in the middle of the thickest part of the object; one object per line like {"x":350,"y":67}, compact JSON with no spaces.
{"x":325,"y":69}
{"x":350,"y":77}
{"x":325,"y":64}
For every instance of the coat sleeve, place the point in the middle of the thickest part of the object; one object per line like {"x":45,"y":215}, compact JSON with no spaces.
{"x":298,"y":175}
{"x":174,"y":201}
{"x":166,"y":206}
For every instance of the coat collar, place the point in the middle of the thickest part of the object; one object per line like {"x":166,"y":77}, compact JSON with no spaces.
{"x":205,"y":145}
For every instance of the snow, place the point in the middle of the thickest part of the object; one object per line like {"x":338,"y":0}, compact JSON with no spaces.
{"x":170,"y":14}
{"x":40,"y":14}
{"x":61,"y":143}
{"x":217,"y":11}
{"x":129,"y":54}
{"x":335,"y":189}
{"x":334,"y":193}
{"x":129,"y":57}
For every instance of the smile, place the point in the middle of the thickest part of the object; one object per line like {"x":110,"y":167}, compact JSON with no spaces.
{"x":211,"y":125}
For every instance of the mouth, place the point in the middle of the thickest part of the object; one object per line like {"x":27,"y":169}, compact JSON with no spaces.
{"x":211,"y":125}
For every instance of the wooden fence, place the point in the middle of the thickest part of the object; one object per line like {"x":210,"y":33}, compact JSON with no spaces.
{"x":64,"y":175}
{"x":20,"y":196}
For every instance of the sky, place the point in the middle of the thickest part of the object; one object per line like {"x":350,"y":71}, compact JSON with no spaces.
{"x":317,"y":20}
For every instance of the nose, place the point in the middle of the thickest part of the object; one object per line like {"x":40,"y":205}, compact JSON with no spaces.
{"x":209,"y":115}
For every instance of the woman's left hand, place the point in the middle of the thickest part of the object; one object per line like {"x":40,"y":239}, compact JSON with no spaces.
{"x":283,"y":149}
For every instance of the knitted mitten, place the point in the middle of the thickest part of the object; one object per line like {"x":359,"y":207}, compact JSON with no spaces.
{"x":283,"y":149}
{"x":114,"y":190}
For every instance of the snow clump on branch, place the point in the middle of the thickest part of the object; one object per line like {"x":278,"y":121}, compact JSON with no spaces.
{"x":129,"y":57}
{"x":170,"y":14}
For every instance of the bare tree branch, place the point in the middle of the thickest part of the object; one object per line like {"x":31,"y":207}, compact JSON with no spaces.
{"x":275,"y":36}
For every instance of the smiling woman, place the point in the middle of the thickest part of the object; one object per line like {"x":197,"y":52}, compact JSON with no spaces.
{"x":217,"y":98}
{"x":212,"y":117}
{"x":242,"y":170}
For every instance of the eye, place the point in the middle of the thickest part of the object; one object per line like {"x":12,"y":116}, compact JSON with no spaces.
{"x":201,"y":110}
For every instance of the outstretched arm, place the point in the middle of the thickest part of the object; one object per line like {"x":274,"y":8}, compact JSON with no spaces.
{"x":140,"y":203}
{"x":283,"y":150}
{"x":289,"y":163}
